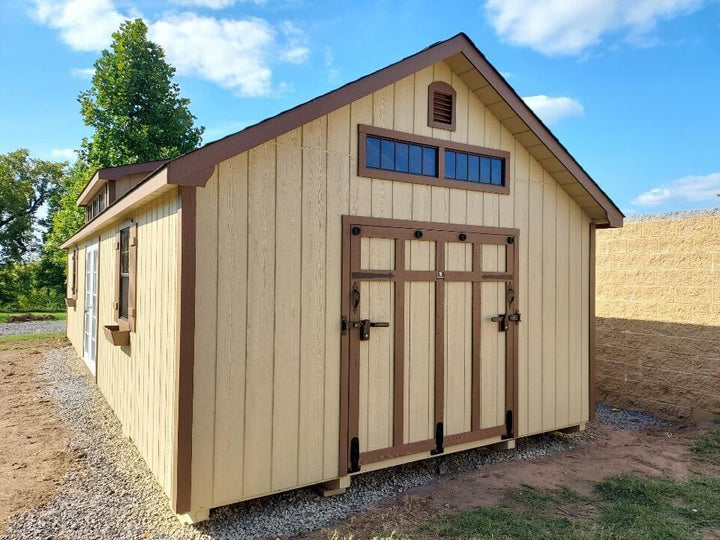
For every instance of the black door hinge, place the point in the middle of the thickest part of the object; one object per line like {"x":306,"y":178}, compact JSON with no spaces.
{"x":354,"y":455}
{"x":509,"y":426}
{"x":439,"y":440}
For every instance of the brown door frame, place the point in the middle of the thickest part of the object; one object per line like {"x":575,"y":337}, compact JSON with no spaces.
{"x":401,"y":230}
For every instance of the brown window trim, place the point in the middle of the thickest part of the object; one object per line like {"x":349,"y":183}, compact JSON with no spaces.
{"x":126,"y":323}
{"x":441,"y":88}
{"x":441,"y":145}
{"x":71,"y":299}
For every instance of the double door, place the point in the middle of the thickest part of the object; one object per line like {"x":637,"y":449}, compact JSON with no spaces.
{"x":428,"y":332}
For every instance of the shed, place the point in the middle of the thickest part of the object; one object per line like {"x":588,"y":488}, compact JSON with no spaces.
{"x":400,"y":268}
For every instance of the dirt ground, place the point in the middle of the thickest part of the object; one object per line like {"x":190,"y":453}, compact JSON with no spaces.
{"x":33,"y":454}
{"x":653,"y":452}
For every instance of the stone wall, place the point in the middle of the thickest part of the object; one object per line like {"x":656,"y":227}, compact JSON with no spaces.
{"x":658,"y":314}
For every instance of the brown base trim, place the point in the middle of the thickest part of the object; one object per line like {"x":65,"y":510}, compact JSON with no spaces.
{"x":185,"y":351}
{"x":393,"y":452}
{"x":473,"y":436}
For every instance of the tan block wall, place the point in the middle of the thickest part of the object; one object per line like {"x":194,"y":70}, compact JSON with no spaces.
{"x":658,"y":314}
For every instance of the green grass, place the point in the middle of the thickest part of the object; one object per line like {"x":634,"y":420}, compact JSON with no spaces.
{"x":626,"y":506}
{"x":707,"y":446}
{"x":22,"y":341}
{"x":59,"y":315}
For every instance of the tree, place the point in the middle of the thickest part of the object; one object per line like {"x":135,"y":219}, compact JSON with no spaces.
{"x":25,"y":184}
{"x":134,"y":106}
{"x":64,"y":219}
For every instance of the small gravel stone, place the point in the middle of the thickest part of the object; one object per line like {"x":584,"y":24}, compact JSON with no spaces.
{"x":614,"y":418}
{"x":32,"y":327}
{"x":112,"y":494}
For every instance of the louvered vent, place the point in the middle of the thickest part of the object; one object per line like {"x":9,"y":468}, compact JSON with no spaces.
{"x":442,"y":108}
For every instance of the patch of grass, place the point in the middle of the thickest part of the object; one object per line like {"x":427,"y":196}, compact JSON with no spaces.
{"x":634,"y":506}
{"x":707,"y":446}
{"x":58,"y":315}
{"x":28,"y":341}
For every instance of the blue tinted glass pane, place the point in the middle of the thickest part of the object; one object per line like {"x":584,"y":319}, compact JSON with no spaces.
{"x":401,"y":157}
{"x":372,"y":152}
{"x":485,"y":170}
{"x":415,"y":159}
{"x":497,"y":172}
{"x":461,"y":166}
{"x":473,"y":168}
{"x":387,"y":155}
{"x":449,"y":164}
{"x":429,"y":161}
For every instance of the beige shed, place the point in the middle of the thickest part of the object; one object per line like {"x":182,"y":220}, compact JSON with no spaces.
{"x":401,"y":268}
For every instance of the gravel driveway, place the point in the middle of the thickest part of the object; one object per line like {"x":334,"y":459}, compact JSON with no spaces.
{"x":33,"y":327}
{"x":111,"y":494}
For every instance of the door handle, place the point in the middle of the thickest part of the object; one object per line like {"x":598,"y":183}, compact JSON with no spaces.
{"x":504,"y":318}
{"x":364,"y":325}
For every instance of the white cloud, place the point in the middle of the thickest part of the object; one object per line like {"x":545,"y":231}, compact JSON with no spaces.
{"x":553,"y":109}
{"x":214,"y":4}
{"x":234,"y":53}
{"x":65,"y":154}
{"x":693,"y":189}
{"x":570,"y":27}
{"x":83,"y":73}
{"x":85,"y":25}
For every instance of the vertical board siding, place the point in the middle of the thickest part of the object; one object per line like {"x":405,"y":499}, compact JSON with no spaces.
{"x":270,"y":271}
{"x":138,"y":381}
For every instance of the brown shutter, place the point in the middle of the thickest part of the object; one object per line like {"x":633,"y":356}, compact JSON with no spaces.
{"x":441,"y":106}
{"x":133,"y":275}
{"x":116,"y":304}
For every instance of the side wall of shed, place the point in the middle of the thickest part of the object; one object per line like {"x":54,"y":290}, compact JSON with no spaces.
{"x":267,"y":344}
{"x":138,"y":381}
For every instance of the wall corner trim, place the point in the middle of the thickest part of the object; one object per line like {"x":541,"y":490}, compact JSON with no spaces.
{"x":185,"y":352}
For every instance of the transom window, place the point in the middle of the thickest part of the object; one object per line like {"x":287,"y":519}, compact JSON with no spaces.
{"x":473,"y":167}
{"x":406,"y":157}
{"x":400,"y":156}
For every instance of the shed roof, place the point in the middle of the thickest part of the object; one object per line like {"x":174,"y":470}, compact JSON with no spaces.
{"x":481,"y":77}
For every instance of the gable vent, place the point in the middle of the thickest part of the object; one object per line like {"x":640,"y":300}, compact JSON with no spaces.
{"x":441,"y":106}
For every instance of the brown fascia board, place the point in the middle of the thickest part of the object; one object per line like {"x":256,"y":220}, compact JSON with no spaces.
{"x":115,"y":173}
{"x":195,"y":168}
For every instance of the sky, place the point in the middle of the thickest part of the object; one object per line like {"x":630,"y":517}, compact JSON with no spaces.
{"x":630,"y":87}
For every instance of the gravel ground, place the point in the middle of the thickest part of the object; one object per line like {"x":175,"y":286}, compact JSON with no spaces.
{"x":33,"y":327}
{"x":626,"y":419}
{"x":112,"y":494}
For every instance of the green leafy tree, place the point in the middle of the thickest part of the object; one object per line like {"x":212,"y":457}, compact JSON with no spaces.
{"x":134,"y":106}
{"x":25,"y":184}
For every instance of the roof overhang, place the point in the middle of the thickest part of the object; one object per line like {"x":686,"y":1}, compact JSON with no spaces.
{"x":149,"y":189}
{"x":111,"y":174}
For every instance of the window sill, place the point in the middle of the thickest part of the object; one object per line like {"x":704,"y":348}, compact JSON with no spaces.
{"x":116,"y":336}
{"x":70,"y":302}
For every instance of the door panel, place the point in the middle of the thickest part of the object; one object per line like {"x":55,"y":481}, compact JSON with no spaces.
{"x":90,"y":314}
{"x":426,"y":365}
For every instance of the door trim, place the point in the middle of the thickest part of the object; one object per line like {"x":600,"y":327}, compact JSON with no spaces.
{"x":401,"y":230}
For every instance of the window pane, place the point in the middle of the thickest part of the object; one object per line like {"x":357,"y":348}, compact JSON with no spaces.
{"x":372,"y":152}
{"x":401,"y":157}
{"x":485,"y":170}
{"x":473,"y":168}
{"x":449,"y":164}
{"x":429,"y":161}
{"x":124,"y":286}
{"x":387,"y":155}
{"x":497,"y":172}
{"x":461,"y":172}
{"x":415,"y":159}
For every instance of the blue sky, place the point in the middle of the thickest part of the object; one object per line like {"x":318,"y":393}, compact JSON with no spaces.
{"x":630,"y":87}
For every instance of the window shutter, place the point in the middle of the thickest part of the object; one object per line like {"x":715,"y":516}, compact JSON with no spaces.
{"x":441,"y":106}
{"x":116,"y":304}
{"x":133,"y":276}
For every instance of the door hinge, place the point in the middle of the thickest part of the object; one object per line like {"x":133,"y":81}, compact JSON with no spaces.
{"x":509,"y":426}
{"x":439,"y":440}
{"x":354,"y":455}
